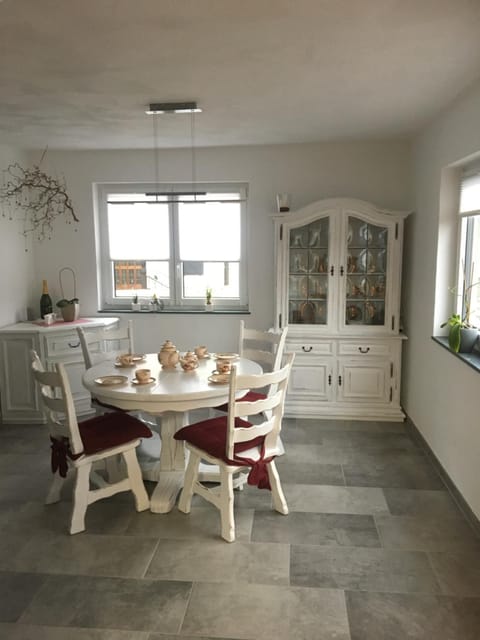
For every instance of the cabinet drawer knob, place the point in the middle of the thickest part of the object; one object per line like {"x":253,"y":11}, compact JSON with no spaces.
{"x":74,"y":346}
{"x":364,"y":349}
{"x":307,"y":349}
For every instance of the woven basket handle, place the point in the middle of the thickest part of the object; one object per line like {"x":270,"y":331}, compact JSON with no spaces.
{"x":60,"y":273}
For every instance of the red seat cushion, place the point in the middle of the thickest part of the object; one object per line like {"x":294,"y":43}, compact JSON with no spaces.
{"x":111,"y":430}
{"x":211,"y":436}
{"x":251,"y":396}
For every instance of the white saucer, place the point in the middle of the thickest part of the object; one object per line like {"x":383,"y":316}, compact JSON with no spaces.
{"x":137,"y":383}
{"x":110,"y":381}
{"x":226,"y":356}
{"x":119,"y":365}
{"x":219,"y":378}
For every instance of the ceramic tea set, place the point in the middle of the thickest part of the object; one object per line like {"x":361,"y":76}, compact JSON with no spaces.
{"x":169,"y":356}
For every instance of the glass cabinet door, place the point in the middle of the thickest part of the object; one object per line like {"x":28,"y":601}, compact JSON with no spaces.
{"x":366,"y":268}
{"x":308,"y":261}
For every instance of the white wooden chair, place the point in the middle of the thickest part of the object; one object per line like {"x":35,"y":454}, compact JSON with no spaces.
{"x":97,"y":346}
{"x":78,"y":445}
{"x":101,"y":345}
{"x":233,"y":444}
{"x":264,"y":347}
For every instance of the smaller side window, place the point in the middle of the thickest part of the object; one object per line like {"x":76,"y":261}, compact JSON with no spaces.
{"x":468,"y":284}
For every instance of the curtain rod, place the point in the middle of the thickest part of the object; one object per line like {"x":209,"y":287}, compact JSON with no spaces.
{"x":173,"y":201}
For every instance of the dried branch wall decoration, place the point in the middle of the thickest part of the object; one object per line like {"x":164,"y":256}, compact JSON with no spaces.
{"x":36,"y":198}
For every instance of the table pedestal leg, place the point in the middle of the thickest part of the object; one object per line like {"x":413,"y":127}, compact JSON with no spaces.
{"x":171,"y":467}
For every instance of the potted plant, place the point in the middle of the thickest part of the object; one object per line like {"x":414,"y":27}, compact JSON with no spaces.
{"x":70,"y":309}
{"x":208,"y":299}
{"x":462,"y":336}
{"x":136,"y":305}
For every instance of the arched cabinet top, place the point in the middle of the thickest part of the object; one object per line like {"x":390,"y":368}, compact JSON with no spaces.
{"x":332,"y":205}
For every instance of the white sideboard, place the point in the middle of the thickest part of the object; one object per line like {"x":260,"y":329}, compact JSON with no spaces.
{"x":59,"y":342}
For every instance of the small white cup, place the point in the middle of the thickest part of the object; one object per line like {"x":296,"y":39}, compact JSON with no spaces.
{"x":200,"y":351}
{"x":143,"y":375}
{"x":224,"y":366}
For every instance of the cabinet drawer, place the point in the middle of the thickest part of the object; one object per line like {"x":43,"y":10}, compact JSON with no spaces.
{"x":62,"y":344}
{"x":365,"y":348}
{"x":315,"y":348}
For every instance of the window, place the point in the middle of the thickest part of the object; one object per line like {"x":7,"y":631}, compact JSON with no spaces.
{"x":172,"y":245}
{"x":469,"y":254}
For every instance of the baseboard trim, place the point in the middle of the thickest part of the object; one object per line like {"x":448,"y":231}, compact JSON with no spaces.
{"x":451,"y":487}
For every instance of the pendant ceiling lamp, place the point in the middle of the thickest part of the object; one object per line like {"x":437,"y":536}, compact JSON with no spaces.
{"x":161,"y":108}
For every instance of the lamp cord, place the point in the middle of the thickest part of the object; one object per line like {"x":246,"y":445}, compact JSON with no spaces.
{"x":155,"y":154}
{"x":194,"y":165}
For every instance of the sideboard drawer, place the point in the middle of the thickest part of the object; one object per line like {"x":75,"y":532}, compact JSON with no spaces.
{"x":315,"y":348}
{"x":364,"y":348}
{"x":62,"y":344}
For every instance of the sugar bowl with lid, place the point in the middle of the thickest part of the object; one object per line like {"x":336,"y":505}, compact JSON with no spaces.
{"x":189,"y":362}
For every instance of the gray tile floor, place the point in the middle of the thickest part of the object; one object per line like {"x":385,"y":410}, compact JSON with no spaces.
{"x":374,"y":548}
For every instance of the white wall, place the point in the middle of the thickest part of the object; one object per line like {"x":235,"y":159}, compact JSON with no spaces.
{"x":375,"y":171}
{"x":16,"y":264}
{"x":440,"y":393}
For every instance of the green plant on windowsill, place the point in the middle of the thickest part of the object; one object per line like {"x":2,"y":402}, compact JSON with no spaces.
{"x":458,"y":324}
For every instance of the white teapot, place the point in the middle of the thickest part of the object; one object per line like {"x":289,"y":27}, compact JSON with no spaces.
{"x":189,"y":362}
{"x":168,"y":355}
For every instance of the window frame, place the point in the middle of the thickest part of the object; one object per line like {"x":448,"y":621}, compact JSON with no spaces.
{"x":105,"y":272}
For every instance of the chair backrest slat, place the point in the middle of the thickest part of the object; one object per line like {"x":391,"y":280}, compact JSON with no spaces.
{"x":264,"y":347}
{"x":271,"y":424}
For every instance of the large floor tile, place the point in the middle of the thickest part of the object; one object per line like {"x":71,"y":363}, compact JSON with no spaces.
{"x":16,"y":592}
{"x":400,"y":471}
{"x":24,"y":487}
{"x":414,"y":502}
{"x":294,"y":472}
{"x":85,"y":554}
{"x":315,"y":528}
{"x":109,"y":603}
{"x":270,"y":612}
{"x":161,"y":636}
{"x":362,"y":569}
{"x":458,"y":572}
{"x":218,"y":561}
{"x":325,"y":499}
{"x":37,"y":632}
{"x":381,"y":616}
{"x":106,"y":516}
{"x":311,"y":454}
{"x":423,"y":533}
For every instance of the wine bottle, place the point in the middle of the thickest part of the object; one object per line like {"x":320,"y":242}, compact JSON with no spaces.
{"x":45,"y":301}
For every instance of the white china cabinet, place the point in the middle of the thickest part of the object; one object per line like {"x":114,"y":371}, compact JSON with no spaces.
{"x":58,"y":342}
{"x":338,"y":288}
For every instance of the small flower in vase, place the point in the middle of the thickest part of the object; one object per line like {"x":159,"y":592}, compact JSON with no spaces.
{"x":208,"y":299}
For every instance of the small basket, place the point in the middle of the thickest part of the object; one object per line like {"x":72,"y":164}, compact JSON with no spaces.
{"x":71,"y":311}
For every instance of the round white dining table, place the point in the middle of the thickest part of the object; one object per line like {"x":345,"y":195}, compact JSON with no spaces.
{"x":168,"y":398}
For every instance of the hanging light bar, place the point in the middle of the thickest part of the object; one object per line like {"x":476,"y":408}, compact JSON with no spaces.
{"x":173,"y":107}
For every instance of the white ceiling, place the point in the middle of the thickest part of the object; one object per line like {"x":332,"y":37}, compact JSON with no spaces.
{"x":80,"y":73}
